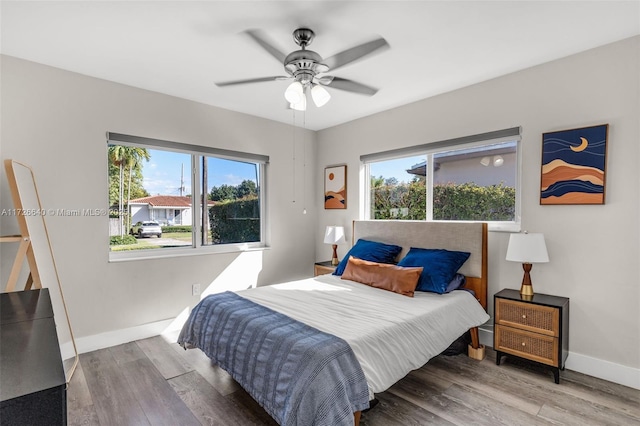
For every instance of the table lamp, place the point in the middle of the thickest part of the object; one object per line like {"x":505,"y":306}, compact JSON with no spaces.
{"x":527,"y":248}
{"x":334,"y":235}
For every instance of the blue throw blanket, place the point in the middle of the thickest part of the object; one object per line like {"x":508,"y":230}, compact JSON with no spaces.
{"x":300,"y":375}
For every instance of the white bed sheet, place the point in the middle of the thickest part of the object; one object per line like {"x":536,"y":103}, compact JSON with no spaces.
{"x":390,"y":334}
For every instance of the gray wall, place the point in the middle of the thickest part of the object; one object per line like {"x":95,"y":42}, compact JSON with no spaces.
{"x":594,"y":250}
{"x":56,"y":122}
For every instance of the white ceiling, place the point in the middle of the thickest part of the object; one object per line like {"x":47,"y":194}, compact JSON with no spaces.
{"x":181,"y":48}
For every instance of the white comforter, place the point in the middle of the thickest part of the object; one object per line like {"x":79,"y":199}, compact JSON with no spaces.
{"x":390,"y":334}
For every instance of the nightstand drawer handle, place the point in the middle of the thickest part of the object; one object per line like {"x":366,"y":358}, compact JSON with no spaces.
{"x":524,"y":316}
{"x":523,"y":344}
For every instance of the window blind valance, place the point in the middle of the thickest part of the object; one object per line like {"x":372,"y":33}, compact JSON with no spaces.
{"x":496,"y":136}
{"x":122,"y":139}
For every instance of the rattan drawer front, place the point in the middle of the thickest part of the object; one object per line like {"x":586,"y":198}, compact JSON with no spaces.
{"x":536,"y":318}
{"x":533,"y":346}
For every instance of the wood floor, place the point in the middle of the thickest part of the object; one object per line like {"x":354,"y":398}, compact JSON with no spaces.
{"x":155,"y":382}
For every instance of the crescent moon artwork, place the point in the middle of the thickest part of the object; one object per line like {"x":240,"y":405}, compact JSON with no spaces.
{"x":581,"y":147}
{"x":573,"y":166}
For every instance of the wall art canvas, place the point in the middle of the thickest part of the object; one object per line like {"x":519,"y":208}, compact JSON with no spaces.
{"x":573,"y":166}
{"x":335,"y":187}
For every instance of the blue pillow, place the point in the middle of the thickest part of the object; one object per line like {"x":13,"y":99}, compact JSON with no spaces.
{"x":458,"y":281}
{"x":440,"y":266}
{"x":369,"y":250}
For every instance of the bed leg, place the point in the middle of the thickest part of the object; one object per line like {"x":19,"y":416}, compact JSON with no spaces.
{"x":475,"y":350}
{"x":356,"y":418}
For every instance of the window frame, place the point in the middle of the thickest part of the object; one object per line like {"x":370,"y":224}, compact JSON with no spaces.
{"x":429,"y":151}
{"x":197,"y":153}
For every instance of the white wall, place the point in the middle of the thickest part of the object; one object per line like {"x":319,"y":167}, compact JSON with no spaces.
{"x":594,"y":250}
{"x":56,"y":122}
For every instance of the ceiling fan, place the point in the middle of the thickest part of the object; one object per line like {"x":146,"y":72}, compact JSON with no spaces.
{"x":306,"y":66}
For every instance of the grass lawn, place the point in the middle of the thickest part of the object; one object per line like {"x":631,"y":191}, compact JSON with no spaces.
{"x":148,"y":243}
{"x":180,"y":236}
{"x":140,"y":245}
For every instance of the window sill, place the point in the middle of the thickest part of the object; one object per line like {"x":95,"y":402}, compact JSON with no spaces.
{"x":504,"y":227}
{"x":492,"y":226}
{"x":163,"y":253}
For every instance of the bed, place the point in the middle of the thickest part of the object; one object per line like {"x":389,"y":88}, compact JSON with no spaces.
{"x":316,"y":351}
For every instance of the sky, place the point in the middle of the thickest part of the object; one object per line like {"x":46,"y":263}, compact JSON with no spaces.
{"x":396,"y":168}
{"x":162,"y":173}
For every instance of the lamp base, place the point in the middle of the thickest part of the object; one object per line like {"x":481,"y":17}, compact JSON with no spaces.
{"x":334,"y":258}
{"x":526,"y":293}
{"x":526,"y":289}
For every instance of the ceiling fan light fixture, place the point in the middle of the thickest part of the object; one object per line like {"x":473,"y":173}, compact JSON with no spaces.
{"x":295,"y":93}
{"x":299,"y":106}
{"x":305,"y":66}
{"x":320,"y":95}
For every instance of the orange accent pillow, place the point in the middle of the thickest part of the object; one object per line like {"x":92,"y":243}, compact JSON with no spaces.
{"x":399,"y":279}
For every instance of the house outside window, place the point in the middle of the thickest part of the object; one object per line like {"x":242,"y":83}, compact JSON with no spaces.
{"x":453,"y":180}
{"x":201,"y":198}
{"x":168,"y":210}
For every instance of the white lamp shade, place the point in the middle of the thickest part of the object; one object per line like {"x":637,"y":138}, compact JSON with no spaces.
{"x":527,"y":248}
{"x":300,"y":106}
{"x":334,"y":235}
{"x":498,"y":161}
{"x":320,"y":95}
{"x":294,"y":93}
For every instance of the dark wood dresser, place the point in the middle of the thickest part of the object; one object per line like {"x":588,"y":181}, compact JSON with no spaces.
{"x":32,"y":380}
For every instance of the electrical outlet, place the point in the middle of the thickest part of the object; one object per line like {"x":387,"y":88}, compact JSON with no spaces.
{"x":195,"y":290}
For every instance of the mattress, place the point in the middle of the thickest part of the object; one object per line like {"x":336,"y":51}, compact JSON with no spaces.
{"x":390,"y":334}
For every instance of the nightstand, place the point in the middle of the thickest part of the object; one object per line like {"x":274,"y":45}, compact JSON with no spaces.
{"x":323,"y":268}
{"x":535,"y":329}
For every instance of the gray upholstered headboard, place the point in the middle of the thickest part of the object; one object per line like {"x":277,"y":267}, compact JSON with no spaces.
{"x":460,"y":236}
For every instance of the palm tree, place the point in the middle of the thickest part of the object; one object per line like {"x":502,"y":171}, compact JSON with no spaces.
{"x":377,"y":182}
{"x":130,"y":157}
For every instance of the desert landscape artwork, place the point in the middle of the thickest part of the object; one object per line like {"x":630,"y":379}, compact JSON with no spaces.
{"x":573,"y":166}
{"x":335,"y":187}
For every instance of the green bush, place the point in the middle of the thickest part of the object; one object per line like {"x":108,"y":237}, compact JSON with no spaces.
{"x":135,"y":247}
{"x":235,"y":221}
{"x":466,"y":201}
{"x":117,"y":240}
{"x":469,"y":201}
{"x":176,"y":228}
{"x":408,"y":198}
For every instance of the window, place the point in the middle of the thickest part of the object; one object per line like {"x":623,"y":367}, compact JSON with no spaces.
{"x":169,"y":198}
{"x":468,"y":179}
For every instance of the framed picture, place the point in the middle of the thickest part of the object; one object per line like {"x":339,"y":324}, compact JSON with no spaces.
{"x":335,"y":187}
{"x":573,"y":166}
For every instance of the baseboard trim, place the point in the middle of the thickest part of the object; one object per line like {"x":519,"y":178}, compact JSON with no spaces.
{"x":606,"y":370}
{"x":616,"y":373}
{"x":119,"y":337}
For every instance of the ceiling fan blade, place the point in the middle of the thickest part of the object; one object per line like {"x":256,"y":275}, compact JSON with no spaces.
{"x":251,"y":80}
{"x":350,"y":55}
{"x":260,"y":38}
{"x":348,"y":85}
